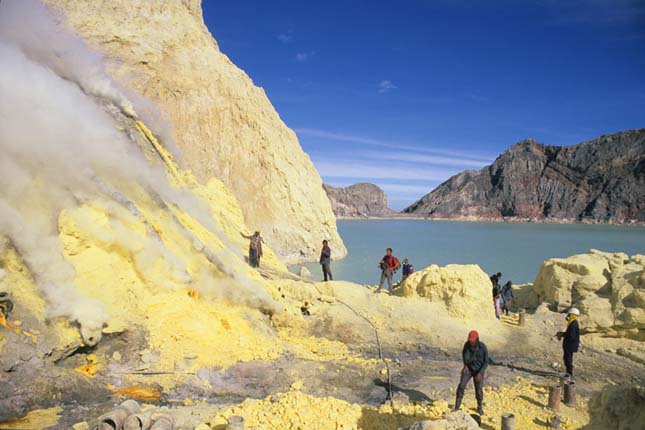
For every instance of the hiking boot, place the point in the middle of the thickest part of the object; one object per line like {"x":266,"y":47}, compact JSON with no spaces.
{"x":457,"y":404}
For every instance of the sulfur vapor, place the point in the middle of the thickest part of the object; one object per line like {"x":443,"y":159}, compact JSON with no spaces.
{"x":66,"y":138}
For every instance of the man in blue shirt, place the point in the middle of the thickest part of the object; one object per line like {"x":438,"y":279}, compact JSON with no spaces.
{"x":407,"y":269}
{"x":475,"y":357}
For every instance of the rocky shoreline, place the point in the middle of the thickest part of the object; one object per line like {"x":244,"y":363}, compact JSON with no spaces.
{"x":404,"y":216}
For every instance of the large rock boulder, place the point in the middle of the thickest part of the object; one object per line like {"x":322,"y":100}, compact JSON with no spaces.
{"x":619,"y":407}
{"x":358,"y":200}
{"x":464,"y":290}
{"x":602,"y":180}
{"x":223,"y":124}
{"x":608,"y":288}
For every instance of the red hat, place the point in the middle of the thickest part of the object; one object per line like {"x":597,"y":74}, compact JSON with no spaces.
{"x":473,"y":336}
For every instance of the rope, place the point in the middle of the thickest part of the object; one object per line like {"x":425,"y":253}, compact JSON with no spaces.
{"x":267,"y":272}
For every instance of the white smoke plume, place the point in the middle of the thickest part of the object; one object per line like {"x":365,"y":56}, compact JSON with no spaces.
{"x":33,"y":28}
{"x":59,"y":147}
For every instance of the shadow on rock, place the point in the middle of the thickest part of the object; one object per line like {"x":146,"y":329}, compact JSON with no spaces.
{"x":413,"y":395}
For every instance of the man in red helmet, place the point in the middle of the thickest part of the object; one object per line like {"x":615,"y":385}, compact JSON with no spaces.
{"x":475,"y":356}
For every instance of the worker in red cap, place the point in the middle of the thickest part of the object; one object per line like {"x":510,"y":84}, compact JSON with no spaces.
{"x":475,"y":356}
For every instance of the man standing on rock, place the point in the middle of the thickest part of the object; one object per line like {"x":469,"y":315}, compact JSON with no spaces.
{"x":496,"y":298}
{"x":255,"y":248}
{"x":570,"y":339}
{"x":388,"y":265}
{"x":475,"y":357}
{"x":507,"y":297}
{"x":407,"y":269}
{"x":325,"y":261}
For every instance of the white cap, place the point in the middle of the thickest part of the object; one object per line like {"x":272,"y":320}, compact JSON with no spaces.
{"x":574,"y":311}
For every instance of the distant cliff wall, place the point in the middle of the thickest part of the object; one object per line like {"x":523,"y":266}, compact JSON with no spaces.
{"x":358,"y":200}
{"x":602,"y":180}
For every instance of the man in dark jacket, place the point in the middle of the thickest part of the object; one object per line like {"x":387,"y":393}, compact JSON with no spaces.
{"x":407,"y":269}
{"x":475,"y":357}
{"x":325,"y":260}
{"x":507,"y":297}
{"x":255,"y":248}
{"x":496,"y":298}
{"x":570,"y":339}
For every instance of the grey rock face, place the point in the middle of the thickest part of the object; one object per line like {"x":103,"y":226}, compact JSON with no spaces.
{"x":358,"y":200}
{"x":602,"y":180}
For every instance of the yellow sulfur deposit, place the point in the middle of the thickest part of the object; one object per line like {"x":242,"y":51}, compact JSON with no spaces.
{"x":527,"y":401}
{"x":38,"y":419}
{"x":19,"y":282}
{"x":318,"y":348}
{"x":90,"y":368}
{"x":139,"y":392}
{"x":221,"y":336}
{"x":297,"y":410}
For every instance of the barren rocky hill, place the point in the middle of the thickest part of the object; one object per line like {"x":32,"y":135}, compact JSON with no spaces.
{"x":358,"y":200}
{"x":602,"y":180}
{"x":224,"y":125}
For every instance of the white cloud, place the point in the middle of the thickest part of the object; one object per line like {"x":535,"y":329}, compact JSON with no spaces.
{"x":301,"y":57}
{"x":425,"y":159}
{"x":466,"y":156}
{"x":406,"y":190}
{"x":369,"y":170}
{"x":386,"y":86}
{"x":285,"y":37}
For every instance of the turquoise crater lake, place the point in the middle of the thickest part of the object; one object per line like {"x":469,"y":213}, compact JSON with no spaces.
{"x":515,"y":249}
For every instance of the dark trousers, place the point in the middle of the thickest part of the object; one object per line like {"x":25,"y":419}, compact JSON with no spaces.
{"x":327,"y":272}
{"x":254,"y":259}
{"x":568,"y":361}
{"x":478,"y":379}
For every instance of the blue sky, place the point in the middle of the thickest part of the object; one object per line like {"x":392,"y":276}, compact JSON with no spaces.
{"x":406,"y":93}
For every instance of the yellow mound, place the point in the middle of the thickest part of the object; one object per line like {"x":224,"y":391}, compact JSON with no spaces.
{"x":296,"y":410}
{"x":464,"y":290}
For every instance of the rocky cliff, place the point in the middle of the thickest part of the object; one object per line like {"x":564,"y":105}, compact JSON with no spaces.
{"x":608,"y":288}
{"x":223,"y":124}
{"x":358,"y":200}
{"x":602,"y":180}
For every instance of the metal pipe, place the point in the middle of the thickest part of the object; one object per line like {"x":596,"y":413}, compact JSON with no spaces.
{"x":235,"y":422}
{"x":508,"y":421}
{"x":570,"y":393}
{"x":137,"y":422}
{"x":163,"y":422}
{"x":115,"y":419}
{"x":554,"y":397}
{"x":522,"y":318}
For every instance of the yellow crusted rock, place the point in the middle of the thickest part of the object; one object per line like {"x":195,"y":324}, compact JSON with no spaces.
{"x":38,"y":419}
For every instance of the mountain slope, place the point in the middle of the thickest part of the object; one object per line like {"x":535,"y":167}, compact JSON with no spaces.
{"x":223,"y":124}
{"x":602,"y":180}
{"x":358,"y":200}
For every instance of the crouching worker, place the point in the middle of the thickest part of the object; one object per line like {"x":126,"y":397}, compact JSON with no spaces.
{"x":475,"y":356}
